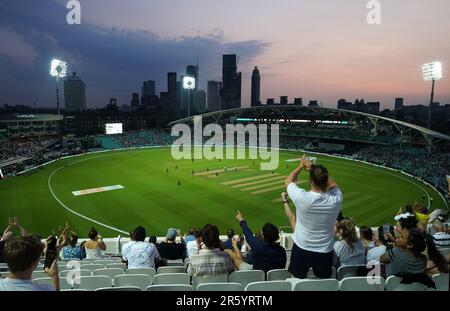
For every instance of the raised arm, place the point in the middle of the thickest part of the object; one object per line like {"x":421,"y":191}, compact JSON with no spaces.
{"x":292,"y":178}
{"x":23,"y":232}
{"x":331,"y":183}
{"x":287,"y":209}
{"x":253,"y":241}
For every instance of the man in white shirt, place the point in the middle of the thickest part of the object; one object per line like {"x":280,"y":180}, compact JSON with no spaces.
{"x":316,"y":213}
{"x":440,"y":237}
{"x":192,"y":246}
{"x":140,"y":254}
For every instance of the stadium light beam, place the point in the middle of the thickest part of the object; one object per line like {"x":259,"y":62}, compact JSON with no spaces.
{"x":58,"y":69}
{"x":431,"y":72}
{"x":189,"y":84}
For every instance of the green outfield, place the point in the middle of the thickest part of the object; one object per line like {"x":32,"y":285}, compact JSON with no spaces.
{"x":159,"y":192}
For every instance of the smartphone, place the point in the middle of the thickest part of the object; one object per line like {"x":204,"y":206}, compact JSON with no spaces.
{"x":386,"y":229}
{"x":50,"y":252}
{"x":313,"y":160}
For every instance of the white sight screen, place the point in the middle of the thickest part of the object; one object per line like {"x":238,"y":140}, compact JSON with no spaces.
{"x":113,"y":128}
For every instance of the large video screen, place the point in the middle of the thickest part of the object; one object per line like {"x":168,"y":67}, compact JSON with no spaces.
{"x":113,"y":128}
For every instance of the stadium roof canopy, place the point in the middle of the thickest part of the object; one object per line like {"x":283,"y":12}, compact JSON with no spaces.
{"x":376,"y":128}
{"x":29,"y":117}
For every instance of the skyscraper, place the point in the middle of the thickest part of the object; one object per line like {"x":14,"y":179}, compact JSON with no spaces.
{"x":172,"y":83}
{"x":298,"y":101}
{"x":74,"y":93}
{"x":148,"y":88}
{"x":193,"y":71}
{"x":284,"y":100}
{"x":256,"y":84}
{"x":213,"y":95}
{"x":135,"y":102}
{"x":231,"y":83}
{"x":398,"y":103}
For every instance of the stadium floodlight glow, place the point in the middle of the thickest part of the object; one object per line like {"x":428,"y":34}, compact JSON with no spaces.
{"x":188,"y":83}
{"x":431,"y":72}
{"x":58,"y":68}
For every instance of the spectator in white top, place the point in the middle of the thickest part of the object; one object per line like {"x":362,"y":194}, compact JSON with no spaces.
{"x":192,"y":246}
{"x":440,"y":237}
{"x":366,"y":236}
{"x":140,"y":254}
{"x":128,"y":244}
{"x":349,"y":250}
{"x":316,"y":213}
{"x":22,"y":256}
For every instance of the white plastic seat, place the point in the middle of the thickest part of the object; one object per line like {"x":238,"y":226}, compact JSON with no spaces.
{"x":103,"y":262}
{"x":171,"y":278}
{"x":83,"y":272}
{"x":148,"y":271}
{"x":269,"y":286}
{"x":219,"y":278}
{"x":317,"y":285}
{"x":92,"y":267}
{"x":278,"y":275}
{"x":112,"y":272}
{"x":140,"y":280}
{"x":171,"y":269}
{"x":348,"y":271}
{"x":393,"y":284}
{"x":116,"y":265}
{"x":63,"y":284}
{"x":246,"y":277}
{"x":362,"y":283}
{"x":175,"y":262}
{"x":92,"y":282}
{"x":170,"y":288}
{"x":441,"y":280}
{"x":119,"y":289}
{"x":38,"y":274}
{"x":312,"y":276}
{"x":220,"y":287}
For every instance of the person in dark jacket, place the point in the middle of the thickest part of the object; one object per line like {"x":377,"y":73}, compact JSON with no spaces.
{"x":267,"y":254}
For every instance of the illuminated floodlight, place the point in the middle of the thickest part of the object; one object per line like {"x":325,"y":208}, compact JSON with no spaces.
{"x":188,"y":83}
{"x":58,"y":68}
{"x":432,"y":71}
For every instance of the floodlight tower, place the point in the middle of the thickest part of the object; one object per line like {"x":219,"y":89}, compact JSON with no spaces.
{"x":58,"y":69}
{"x":432,"y":72}
{"x":189,"y":84}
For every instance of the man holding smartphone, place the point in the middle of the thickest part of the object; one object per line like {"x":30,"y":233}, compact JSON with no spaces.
{"x":316,"y":213}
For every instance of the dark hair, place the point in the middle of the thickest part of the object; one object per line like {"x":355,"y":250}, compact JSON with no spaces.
{"x":20,"y":253}
{"x":210,"y":236}
{"x":319,"y":176}
{"x":132,"y":235}
{"x":230,"y":233}
{"x":191,"y":231}
{"x":74,"y":239}
{"x":152,"y":239}
{"x":51,"y":242}
{"x":421,"y":241}
{"x":408,"y":209}
{"x":270,"y":233}
{"x":340,"y":216}
{"x":408,"y":223}
{"x":197,"y":233}
{"x":93,"y":233}
{"x":140,"y":234}
{"x":366,"y":233}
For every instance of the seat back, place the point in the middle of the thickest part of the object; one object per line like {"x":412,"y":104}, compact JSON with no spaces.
{"x":441,"y":281}
{"x":350,"y":271}
{"x":148,"y":271}
{"x":317,"y":285}
{"x":119,"y":289}
{"x":75,"y":273}
{"x":92,"y":267}
{"x":172,"y":278}
{"x":393,"y":283}
{"x":138,"y":280}
{"x":112,"y":272}
{"x":278,"y":275}
{"x":171,"y":269}
{"x":220,"y":287}
{"x":269,"y":286}
{"x":246,"y":277}
{"x":361,"y":283}
{"x":92,"y":282}
{"x":170,"y":288}
{"x":312,"y":276}
{"x":116,"y":265}
{"x":218,"y":278}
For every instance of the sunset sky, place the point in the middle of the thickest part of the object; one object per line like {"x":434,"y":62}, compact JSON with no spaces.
{"x":315,"y":49}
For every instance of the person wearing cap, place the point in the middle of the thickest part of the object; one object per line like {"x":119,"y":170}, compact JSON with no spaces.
{"x":170,"y":249}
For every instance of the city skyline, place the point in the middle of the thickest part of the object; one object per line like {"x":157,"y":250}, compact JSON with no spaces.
{"x":325,"y":56}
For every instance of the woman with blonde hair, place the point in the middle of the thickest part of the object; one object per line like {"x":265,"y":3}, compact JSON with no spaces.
{"x":348,"y":250}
